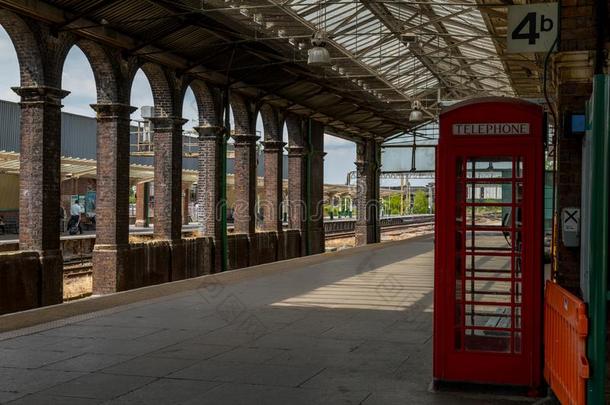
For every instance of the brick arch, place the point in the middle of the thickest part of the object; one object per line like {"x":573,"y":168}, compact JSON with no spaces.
{"x":31,"y":67}
{"x":208,"y":103}
{"x":272,"y":123}
{"x":106,"y":75}
{"x":163,"y":86}
{"x":100,"y":60}
{"x":294,"y":124}
{"x":242,"y":115}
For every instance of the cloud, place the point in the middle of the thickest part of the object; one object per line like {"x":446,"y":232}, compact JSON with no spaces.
{"x":9,"y":95}
{"x":339,"y":159}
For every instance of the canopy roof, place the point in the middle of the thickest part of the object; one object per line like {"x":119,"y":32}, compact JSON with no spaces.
{"x":385,"y":53}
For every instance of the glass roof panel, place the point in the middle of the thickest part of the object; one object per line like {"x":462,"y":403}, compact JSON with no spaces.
{"x":454,"y":48}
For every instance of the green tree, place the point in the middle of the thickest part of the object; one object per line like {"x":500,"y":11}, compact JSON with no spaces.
{"x":420,"y":203}
{"x":132,"y":195}
{"x":394,"y":206}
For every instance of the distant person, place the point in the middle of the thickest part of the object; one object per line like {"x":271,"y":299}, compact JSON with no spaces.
{"x":2,"y":225}
{"x":75,"y":211}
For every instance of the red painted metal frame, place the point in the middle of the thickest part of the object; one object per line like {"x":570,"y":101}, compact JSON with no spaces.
{"x":459,"y":364}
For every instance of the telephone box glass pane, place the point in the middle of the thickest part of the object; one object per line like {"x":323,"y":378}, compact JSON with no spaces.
{"x":488,"y":289}
{"x":486,"y":216}
{"x":489,"y":167}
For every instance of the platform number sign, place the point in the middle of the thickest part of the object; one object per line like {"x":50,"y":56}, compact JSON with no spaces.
{"x":532,"y":27}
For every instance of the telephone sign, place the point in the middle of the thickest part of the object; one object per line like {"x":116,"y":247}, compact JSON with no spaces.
{"x":532,"y":27}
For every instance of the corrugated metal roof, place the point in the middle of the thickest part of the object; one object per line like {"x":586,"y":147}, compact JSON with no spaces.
{"x":78,"y":136}
{"x":9,"y":125}
{"x":78,"y":139}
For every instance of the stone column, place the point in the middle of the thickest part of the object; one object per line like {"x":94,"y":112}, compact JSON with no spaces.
{"x":245,"y":183}
{"x":111,"y":251}
{"x":209,"y":182}
{"x":273,"y":185}
{"x":367,"y":198}
{"x":39,"y":184}
{"x":142,"y":193}
{"x":167,"y":141}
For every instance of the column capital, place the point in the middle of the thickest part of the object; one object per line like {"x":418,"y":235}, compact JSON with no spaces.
{"x":273,"y":146}
{"x":167,"y":122}
{"x":245,"y":139}
{"x":362,"y":166}
{"x":111,"y":110}
{"x":209,"y":131}
{"x":41,"y":94}
{"x":296,"y":151}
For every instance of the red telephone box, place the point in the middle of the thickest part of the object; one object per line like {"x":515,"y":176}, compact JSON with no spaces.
{"x":489,"y":243}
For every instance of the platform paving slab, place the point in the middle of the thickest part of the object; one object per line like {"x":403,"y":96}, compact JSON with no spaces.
{"x":353,"y":329}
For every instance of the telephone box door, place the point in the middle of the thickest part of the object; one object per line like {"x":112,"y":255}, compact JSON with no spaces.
{"x":488,"y":246}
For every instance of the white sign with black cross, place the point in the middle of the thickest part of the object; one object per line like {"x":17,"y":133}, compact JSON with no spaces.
{"x":570,"y":226}
{"x":532,"y":27}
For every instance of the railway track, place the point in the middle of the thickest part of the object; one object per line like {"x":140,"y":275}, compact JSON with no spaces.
{"x":385,"y":229}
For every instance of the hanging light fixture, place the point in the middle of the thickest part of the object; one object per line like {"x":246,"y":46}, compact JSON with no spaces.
{"x":416,"y":112}
{"x":318,"y":55}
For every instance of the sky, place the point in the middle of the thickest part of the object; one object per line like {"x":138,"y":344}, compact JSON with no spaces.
{"x":78,"y":79}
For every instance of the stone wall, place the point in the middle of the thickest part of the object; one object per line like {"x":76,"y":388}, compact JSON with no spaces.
{"x":158,"y":262}
{"x":263,"y":248}
{"x":238,"y":250}
{"x":292,"y":244}
{"x":19,"y":281}
{"x":150,"y":262}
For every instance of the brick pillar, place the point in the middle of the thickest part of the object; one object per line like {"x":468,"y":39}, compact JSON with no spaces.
{"x":167,"y":141}
{"x":316,"y":156}
{"x":297,"y":165}
{"x":273,"y":185}
{"x":367,"y":198}
{"x":111,"y":251}
{"x":296,"y":187}
{"x":186,"y":199}
{"x":209,"y":182}
{"x":142,"y":193}
{"x":39,"y":184}
{"x":245,"y":183}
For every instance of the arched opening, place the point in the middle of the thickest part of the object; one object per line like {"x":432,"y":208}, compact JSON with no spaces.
{"x":77,"y":77}
{"x":339,"y":182}
{"x":259,"y":131}
{"x":285,"y":206}
{"x":78,"y":141}
{"x":141,"y":195}
{"x":190,"y":149}
{"x":9,"y":137}
{"x":230,"y":168}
